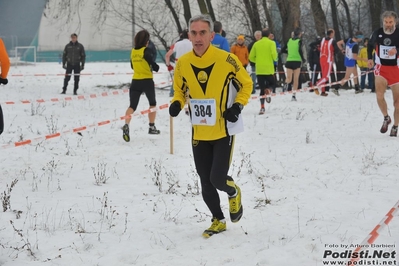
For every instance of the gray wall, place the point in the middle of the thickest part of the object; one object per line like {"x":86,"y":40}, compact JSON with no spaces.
{"x":20,"y":21}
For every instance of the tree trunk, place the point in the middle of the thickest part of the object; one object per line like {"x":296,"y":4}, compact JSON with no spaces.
{"x":319,"y":17}
{"x":187,"y":11}
{"x":339,"y":58}
{"x":375,"y":11}
{"x":202,"y":6}
{"x":389,"y":5}
{"x":248,"y":8}
{"x":210,"y":8}
{"x":251,"y":6}
{"x":270,"y":23}
{"x":290,"y":14}
{"x":174,"y":14}
{"x":255,"y":15}
{"x":334,"y":15}
{"x":349,"y":20}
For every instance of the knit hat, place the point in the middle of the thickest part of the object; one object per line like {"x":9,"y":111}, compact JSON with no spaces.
{"x":240,"y":37}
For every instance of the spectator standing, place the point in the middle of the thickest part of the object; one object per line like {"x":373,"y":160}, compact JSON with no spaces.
{"x":278,"y":46}
{"x":220,"y":41}
{"x":258,"y":36}
{"x":73,"y":59}
{"x":153,"y":49}
{"x":314,"y":61}
{"x":241,"y":50}
{"x":365,"y":71}
{"x":181,"y":47}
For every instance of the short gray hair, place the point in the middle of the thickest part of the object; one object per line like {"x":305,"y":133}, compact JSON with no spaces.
{"x":388,"y":14}
{"x":258,"y":32}
{"x":204,"y":18}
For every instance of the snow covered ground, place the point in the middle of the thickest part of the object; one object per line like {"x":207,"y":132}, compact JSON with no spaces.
{"x":315,"y":174}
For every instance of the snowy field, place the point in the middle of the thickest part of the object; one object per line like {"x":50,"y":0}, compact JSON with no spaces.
{"x":316,"y":175}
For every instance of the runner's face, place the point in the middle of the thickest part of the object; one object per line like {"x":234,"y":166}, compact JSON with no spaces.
{"x":200,"y":36}
{"x":389,"y":25}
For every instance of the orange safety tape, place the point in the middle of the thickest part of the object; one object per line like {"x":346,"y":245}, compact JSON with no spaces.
{"x":80,"y":74}
{"x":25,"y":142}
{"x":78,"y":97}
{"x":82,"y":128}
{"x":374,"y":234}
{"x":304,"y":89}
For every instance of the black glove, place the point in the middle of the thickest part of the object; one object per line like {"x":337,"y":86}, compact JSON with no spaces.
{"x":231,"y":114}
{"x":82,"y":67}
{"x":174,"y":108}
{"x":155,"y":67}
{"x":64,"y":66}
{"x":3,"y":81}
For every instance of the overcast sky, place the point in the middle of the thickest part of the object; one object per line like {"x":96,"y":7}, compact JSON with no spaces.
{"x":20,"y":18}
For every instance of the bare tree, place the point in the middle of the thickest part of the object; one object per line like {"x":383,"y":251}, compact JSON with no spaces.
{"x":174,"y":14}
{"x":319,"y":17}
{"x":187,"y":10}
{"x":251,"y":6}
{"x":389,"y":5}
{"x":348,"y":16}
{"x":339,"y":58}
{"x":236,"y":20}
{"x":210,"y":8}
{"x":290,"y":12}
{"x":375,"y":12}
{"x":270,"y":23}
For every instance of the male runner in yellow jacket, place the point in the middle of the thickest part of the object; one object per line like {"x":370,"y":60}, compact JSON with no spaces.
{"x":218,"y":87}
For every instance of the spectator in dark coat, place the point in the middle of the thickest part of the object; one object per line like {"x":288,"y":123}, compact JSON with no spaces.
{"x":73,"y":58}
{"x":314,"y":60}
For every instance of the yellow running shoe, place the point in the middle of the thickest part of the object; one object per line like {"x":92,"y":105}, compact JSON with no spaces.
{"x":126,"y":136}
{"x":316,"y":91}
{"x":216,"y":227}
{"x":235,"y":206}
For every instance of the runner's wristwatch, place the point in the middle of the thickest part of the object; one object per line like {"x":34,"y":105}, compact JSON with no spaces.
{"x":240,"y":105}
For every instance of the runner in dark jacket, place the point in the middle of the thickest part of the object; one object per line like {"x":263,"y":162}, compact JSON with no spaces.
{"x":73,"y":58}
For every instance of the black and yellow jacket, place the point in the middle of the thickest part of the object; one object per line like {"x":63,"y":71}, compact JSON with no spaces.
{"x":217,"y":75}
{"x":142,"y":62}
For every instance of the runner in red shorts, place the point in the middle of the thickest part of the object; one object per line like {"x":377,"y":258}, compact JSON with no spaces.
{"x":385,"y":41}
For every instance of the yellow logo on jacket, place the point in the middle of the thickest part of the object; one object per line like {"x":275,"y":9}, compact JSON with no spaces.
{"x":195,"y":142}
{"x":202,"y":76}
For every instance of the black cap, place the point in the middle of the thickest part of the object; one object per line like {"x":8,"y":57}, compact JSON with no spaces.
{"x":297,"y":31}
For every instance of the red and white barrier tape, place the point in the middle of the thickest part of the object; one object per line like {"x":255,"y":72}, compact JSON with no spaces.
{"x":79,"y":129}
{"x":70,"y":98}
{"x":121,"y":73}
{"x":374,"y":234}
{"x":81,"y":74}
{"x":305,"y":88}
{"x":74,"y":130}
{"x":80,"y":97}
